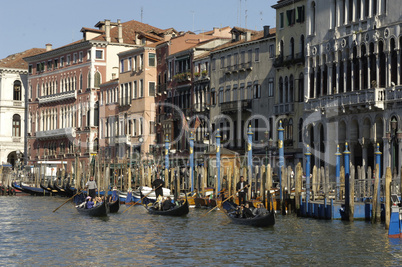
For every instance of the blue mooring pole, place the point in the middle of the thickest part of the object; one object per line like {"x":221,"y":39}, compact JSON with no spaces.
{"x":308,"y":159}
{"x":378,"y":161}
{"x":249,"y":154}
{"x":346,"y":154}
{"x":338,"y":172}
{"x":218,"y":160}
{"x":166,"y":153}
{"x":281,"y":158}
{"x":192,"y":161}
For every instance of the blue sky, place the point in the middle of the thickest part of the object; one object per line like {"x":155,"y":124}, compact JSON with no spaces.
{"x":33,"y":23}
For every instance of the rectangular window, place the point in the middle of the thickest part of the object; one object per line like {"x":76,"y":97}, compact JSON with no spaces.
{"x":141,"y":63}
{"x":222,"y":62}
{"x":257,"y":90}
{"x":241,"y":92}
{"x":243,"y":57}
{"x":68,"y":60}
{"x":229,"y":60}
{"x":135,"y":127}
{"x":281,"y":20}
{"x":220,"y":96}
{"x":81,"y":56}
{"x":134,"y":89}
{"x":141,"y":89}
{"x":235,"y":92}
{"x":37,"y":67}
{"x":74,"y":58}
{"x":42,"y":66}
{"x":151,"y":59}
{"x":271,"y":51}
{"x":300,"y":14}
{"x":30,"y":69}
{"x":99,"y":54}
{"x":49,"y":65}
{"x":151,"y":127}
{"x":122,"y":66}
{"x":257,"y":54}
{"x":213,"y":63}
{"x":271,"y":87}
{"x":151,"y":89}
{"x":213,"y":97}
{"x":236,"y":59}
{"x":61,"y":62}
{"x":140,"y":132}
{"x":89,"y":55}
{"x":130,"y":62}
{"x":290,"y":14}
{"x":250,"y":55}
{"x":134,"y":63}
{"x":227,"y":94}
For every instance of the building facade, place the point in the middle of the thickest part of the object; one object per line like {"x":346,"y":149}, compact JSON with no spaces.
{"x":13,"y":88}
{"x":353,"y":81}
{"x":63,"y":99}
{"x":289,"y":63}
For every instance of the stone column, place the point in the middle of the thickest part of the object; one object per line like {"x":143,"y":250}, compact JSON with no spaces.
{"x":347,"y":11}
{"x":368,"y":71}
{"x":386,"y":155}
{"x":398,"y":66}
{"x":360,"y":74}
{"x":377,"y":61}
{"x":399,"y":156}
{"x":329,"y":79}
{"x":337,"y":77}
{"x":352,"y":69}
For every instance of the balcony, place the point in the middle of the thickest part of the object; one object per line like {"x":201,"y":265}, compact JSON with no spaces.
{"x":378,"y":97}
{"x":234,"y":106}
{"x":58,"y":97}
{"x":123,"y":139}
{"x":284,"y":108}
{"x":56,"y":134}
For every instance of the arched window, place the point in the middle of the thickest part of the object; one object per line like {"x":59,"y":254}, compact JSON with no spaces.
{"x":17,"y":91}
{"x":312,"y":26}
{"x":301,"y":87}
{"x":80,"y":82}
{"x":97,"y":79}
{"x":89,"y":80}
{"x":302,"y":46}
{"x":300,"y":129}
{"x":280,"y":90}
{"x":291,"y":88}
{"x":16,"y":125}
{"x":292,"y":48}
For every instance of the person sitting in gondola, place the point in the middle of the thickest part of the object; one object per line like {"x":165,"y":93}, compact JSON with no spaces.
{"x":167,"y":204}
{"x":90,"y":203}
{"x":247,"y":213}
{"x":260,"y":210}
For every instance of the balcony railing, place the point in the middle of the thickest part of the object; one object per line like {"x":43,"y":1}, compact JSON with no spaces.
{"x":57,"y":133}
{"x":123,"y":139}
{"x":58,"y":97}
{"x":284,"y":108}
{"x":377,"y":97}
{"x":236,"y":105}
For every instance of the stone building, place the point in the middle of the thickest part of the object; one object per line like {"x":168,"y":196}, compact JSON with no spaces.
{"x":13,"y":88}
{"x":353,"y":81}
{"x":289,"y":64}
{"x":63,"y":95}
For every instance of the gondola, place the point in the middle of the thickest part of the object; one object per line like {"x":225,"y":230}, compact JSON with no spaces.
{"x":97,"y":211}
{"x":34,"y":191}
{"x":258,"y":221}
{"x":70,"y":190}
{"x":60,"y":190}
{"x":176,"y":211}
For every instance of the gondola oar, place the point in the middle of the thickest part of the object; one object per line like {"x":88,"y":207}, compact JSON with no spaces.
{"x":67,"y":201}
{"x":225,"y":200}
{"x":141,"y":199}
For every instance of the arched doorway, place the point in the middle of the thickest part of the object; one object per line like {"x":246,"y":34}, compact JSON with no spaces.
{"x":12,"y":157}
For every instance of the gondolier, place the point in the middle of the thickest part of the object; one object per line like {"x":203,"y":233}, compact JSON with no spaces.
{"x":157,"y":184}
{"x":91,"y":187}
{"x":241,"y":187}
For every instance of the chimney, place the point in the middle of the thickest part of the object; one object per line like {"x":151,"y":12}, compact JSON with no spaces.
{"x":120,"y":36}
{"x":266,"y":31}
{"x":48,"y":47}
{"x":107,"y":29}
{"x":248,"y":36}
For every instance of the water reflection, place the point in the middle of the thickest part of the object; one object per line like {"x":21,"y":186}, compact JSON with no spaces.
{"x":31,"y":234}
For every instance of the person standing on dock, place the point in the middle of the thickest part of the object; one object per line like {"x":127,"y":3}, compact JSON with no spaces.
{"x":91,"y":187}
{"x":158,"y":185}
{"x":241,"y":188}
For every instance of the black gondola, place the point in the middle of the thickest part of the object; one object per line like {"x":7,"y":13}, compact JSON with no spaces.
{"x":176,"y":211}
{"x":97,"y":211}
{"x":61,"y":191}
{"x":259,"y":221}
{"x":70,"y":190}
{"x":114,"y":206}
{"x":265,"y":220}
{"x":34,"y":191}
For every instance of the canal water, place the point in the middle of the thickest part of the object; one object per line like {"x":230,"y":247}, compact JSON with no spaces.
{"x":32,"y":235}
